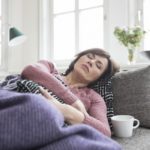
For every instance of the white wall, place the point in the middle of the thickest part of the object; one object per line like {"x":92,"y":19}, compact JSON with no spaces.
{"x":31,"y":27}
{"x":23,"y":14}
{"x":15,"y":19}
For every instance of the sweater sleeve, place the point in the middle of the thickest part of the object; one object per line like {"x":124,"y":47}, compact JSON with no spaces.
{"x":43,"y":73}
{"x":97,"y":117}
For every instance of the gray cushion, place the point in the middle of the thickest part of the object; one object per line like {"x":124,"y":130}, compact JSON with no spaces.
{"x":131,"y":90}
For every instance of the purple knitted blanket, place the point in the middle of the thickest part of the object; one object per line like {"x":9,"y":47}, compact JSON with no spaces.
{"x":30,"y":122}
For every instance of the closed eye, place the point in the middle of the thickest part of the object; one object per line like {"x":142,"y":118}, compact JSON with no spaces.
{"x":98,"y":65}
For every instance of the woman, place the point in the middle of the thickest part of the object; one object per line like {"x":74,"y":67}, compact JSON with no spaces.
{"x":82,"y":104}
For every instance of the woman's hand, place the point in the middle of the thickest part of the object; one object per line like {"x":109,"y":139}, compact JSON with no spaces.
{"x":45,"y":93}
{"x":79,"y":105}
{"x":49,"y":97}
{"x":71,"y":115}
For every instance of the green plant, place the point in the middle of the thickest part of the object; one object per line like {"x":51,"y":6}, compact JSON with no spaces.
{"x":130,"y":37}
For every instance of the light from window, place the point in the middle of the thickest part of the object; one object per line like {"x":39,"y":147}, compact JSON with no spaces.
{"x":64,"y":36}
{"x":76,"y":25}
{"x":63,"y":5}
{"x":91,"y":28}
{"x":89,"y":3}
{"x":146,"y":8}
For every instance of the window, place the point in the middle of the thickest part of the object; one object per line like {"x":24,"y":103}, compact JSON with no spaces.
{"x":78,"y":25}
{"x":75,"y":25}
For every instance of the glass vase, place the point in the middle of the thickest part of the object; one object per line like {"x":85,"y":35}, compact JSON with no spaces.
{"x":131,"y":56}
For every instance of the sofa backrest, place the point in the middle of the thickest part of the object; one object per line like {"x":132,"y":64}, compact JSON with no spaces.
{"x":131,"y":92}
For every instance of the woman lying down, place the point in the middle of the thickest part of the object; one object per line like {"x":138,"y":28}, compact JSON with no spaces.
{"x":36,"y":124}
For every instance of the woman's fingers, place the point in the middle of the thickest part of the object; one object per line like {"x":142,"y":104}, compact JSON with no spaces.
{"x":79,"y":105}
{"x":45,"y":93}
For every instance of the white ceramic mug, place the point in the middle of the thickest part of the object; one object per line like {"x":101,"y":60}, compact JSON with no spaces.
{"x":123,"y":125}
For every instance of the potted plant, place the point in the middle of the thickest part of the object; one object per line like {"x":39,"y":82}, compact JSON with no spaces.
{"x":131,"y":38}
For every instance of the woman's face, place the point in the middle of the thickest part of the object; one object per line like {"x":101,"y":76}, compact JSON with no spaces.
{"x":90,"y":67}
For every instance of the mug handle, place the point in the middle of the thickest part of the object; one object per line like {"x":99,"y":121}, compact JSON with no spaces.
{"x":137,"y":125}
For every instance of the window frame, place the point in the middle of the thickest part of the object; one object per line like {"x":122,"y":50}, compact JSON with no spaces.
{"x":142,"y":24}
{"x":45,"y":7}
{"x":140,"y":18}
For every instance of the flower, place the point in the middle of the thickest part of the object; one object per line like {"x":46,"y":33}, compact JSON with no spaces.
{"x":130,"y":37}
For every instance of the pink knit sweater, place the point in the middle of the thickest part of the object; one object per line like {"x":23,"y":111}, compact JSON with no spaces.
{"x":46,"y":75}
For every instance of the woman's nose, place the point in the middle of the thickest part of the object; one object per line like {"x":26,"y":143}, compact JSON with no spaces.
{"x":91,"y":62}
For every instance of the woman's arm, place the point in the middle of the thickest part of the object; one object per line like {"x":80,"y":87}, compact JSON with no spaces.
{"x":71,"y":114}
{"x":43,"y":73}
{"x":97,"y":117}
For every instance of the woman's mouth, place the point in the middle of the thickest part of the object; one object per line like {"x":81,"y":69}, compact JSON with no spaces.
{"x":85,"y":67}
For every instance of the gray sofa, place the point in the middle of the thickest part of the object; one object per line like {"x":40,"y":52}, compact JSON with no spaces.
{"x":131,"y":91}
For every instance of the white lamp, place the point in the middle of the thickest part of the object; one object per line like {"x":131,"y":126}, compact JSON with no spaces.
{"x":15,"y":37}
